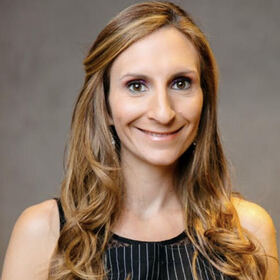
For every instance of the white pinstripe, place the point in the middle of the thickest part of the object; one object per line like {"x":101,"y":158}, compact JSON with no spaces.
{"x":139,"y":261}
{"x":147,"y":256}
{"x":110,"y":260}
{"x":117,"y":256}
{"x":185,"y":278}
{"x":105,"y":261}
{"x":189,"y":260}
{"x":206,"y":272}
{"x":176,"y":276}
{"x":131,"y":262}
{"x":166,"y":263}
{"x":159,"y":263}
{"x":213,"y":272}
{"x":222,"y":277}
{"x":199,"y":267}
{"x":154,"y":261}
{"x":124,"y":262}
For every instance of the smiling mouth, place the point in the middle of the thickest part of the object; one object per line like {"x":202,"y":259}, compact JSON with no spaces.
{"x":159,"y":134}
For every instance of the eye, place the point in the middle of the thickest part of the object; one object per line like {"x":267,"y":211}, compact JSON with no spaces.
{"x":136,"y":86}
{"x":181,"y":83}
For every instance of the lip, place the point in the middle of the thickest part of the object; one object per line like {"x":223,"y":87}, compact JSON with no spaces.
{"x":160,"y":135}
{"x":159,"y":132}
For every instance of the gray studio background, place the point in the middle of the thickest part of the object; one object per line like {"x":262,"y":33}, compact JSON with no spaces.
{"x":42,"y":46}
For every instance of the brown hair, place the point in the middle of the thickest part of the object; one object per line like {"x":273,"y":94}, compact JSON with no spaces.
{"x":91,"y":190}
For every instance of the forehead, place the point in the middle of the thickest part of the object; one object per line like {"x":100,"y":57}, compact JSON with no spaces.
{"x":160,"y":52}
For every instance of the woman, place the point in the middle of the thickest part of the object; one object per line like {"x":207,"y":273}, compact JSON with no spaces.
{"x":146,"y":193}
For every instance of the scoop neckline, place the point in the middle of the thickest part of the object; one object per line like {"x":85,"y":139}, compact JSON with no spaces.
{"x":172,"y":240}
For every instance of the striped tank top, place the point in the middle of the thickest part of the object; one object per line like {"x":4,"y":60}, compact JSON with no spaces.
{"x":147,"y":260}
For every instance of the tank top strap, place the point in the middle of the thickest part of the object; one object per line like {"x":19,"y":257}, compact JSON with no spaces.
{"x":62,"y":220}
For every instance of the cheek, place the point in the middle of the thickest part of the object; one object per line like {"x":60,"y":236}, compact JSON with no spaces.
{"x":192,"y":109}
{"x":197,"y":108}
{"x":123,"y":111}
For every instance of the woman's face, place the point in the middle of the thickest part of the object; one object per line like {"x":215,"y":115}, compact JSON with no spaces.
{"x":155,"y":97}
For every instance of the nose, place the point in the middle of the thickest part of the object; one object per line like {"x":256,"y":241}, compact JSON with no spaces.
{"x":161,"y":109}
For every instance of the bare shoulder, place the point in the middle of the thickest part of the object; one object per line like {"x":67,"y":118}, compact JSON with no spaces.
{"x":259,"y":223}
{"x":32,"y":242}
{"x":254,"y":218}
{"x":40,"y":219}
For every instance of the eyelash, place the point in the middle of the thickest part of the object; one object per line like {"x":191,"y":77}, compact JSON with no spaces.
{"x":143,"y":83}
{"x":134,"y":82}
{"x":183,"y":79}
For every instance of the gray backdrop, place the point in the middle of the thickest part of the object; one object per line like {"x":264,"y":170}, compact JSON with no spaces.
{"x":42,"y":47}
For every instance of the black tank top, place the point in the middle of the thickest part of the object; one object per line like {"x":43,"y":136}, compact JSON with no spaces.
{"x":153,"y":260}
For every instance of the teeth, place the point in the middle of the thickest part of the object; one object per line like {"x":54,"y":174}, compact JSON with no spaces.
{"x":157,"y":134}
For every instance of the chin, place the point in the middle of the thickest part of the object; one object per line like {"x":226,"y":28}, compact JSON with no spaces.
{"x":163,"y":160}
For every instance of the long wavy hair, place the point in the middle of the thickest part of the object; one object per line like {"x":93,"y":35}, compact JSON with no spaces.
{"x":91,"y":193}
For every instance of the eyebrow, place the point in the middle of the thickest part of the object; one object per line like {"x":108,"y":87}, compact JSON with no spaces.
{"x":142,"y":76}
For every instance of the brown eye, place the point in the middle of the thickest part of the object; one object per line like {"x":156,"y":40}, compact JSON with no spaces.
{"x":136,"y":86}
{"x":182,"y":83}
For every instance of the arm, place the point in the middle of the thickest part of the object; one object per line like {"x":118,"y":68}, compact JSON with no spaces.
{"x":32,"y":243}
{"x":258,"y":222}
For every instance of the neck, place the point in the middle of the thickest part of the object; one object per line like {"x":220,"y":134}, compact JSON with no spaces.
{"x":148,"y":189}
